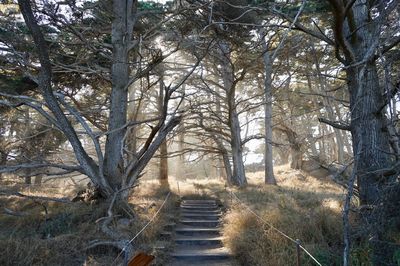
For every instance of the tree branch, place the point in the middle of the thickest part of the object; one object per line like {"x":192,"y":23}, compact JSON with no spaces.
{"x":36,"y":198}
{"x":338,"y":125}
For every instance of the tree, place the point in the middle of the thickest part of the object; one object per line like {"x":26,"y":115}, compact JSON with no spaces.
{"x":110,"y":172}
{"x":359,"y":31}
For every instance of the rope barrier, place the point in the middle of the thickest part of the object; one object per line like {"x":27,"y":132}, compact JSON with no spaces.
{"x":144,"y":228}
{"x":296,"y":242}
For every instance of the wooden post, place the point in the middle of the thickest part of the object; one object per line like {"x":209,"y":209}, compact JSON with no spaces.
{"x":298,"y":243}
{"x":126,"y":258}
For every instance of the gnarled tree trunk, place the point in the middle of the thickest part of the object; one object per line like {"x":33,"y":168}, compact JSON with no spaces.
{"x":356,"y":33}
{"x":121,"y":35}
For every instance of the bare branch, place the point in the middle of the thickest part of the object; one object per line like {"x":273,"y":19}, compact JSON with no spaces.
{"x":338,"y":125}
{"x":35,"y":198}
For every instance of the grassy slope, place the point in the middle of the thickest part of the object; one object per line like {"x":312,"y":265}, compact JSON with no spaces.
{"x":62,"y":238}
{"x":304,"y":207}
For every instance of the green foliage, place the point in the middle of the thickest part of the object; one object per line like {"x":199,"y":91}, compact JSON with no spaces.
{"x":361,"y":255}
{"x":150,"y":5}
{"x":317,"y":6}
{"x":312,"y":7}
{"x":15,"y":84}
{"x":396,"y":257}
{"x":326,"y":257}
{"x":60,"y":224}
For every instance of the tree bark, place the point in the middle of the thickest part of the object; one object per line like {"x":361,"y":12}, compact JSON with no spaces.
{"x":134,"y":170}
{"x":38,"y":180}
{"x":227,"y":171}
{"x":296,"y":157}
{"x":368,"y":121}
{"x":181,"y":144}
{"x":268,"y":157}
{"x":238,"y":173}
{"x":163,"y":170}
{"x":163,"y":173}
{"x":357,"y":36}
{"x":121,"y":35}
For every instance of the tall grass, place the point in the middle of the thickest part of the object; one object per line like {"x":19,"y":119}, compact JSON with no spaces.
{"x":301,"y":206}
{"x":61,"y":236}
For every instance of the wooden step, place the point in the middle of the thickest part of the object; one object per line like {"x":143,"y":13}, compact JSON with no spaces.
{"x":202,"y":254}
{"x":183,"y":211}
{"x":197,"y":236}
{"x":213,"y":217}
{"x":198,"y":240}
{"x":166,"y":235}
{"x":169,"y":227}
{"x":199,"y":201}
{"x":215,"y":207}
{"x":199,"y":208}
{"x":197,"y":231}
{"x":199,"y":223}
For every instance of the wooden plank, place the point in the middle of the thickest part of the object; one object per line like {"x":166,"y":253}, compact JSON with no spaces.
{"x":141,"y":259}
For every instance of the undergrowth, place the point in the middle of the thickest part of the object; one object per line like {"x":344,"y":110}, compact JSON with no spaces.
{"x":52,"y":233}
{"x":301,"y":206}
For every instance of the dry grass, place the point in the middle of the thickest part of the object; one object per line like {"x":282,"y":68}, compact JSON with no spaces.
{"x":302,"y":206}
{"x":63,"y":237}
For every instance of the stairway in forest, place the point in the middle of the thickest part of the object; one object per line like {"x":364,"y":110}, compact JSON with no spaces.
{"x":197,"y":235}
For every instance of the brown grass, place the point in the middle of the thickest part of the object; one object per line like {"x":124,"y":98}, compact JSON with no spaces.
{"x":62,"y":239}
{"x":303,"y":207}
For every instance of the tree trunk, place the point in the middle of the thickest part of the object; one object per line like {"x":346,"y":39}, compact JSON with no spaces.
{"x":313,"y":147}
{"x":238,"y":173}
{"x":296,"y":152}
{"x":221,"y":168}
{"x":227,"y":167}
{"x":296,"y":157}
{"x":357,"y":38}
{"x":180,"y":171}
{"x":27,"y":151}
{"x":321,"y":143}
{"x":135,"y":169}
{"x":368,"y":126}
{"x":163,"y":174}
{"x":121,"y":35}
{"x":133,"y":115}
{"x":28,"y":179}
{"x":283,"y":155}
{"x":226,"y":170}
{"x":38,"y":180}
{"x":268,"y":157}
{"x":368,"y":121}
{"x":323,"y":88}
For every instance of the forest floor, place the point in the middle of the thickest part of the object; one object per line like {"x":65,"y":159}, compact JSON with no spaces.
{"x":62,"y":236}
{"x":305,"y":206}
